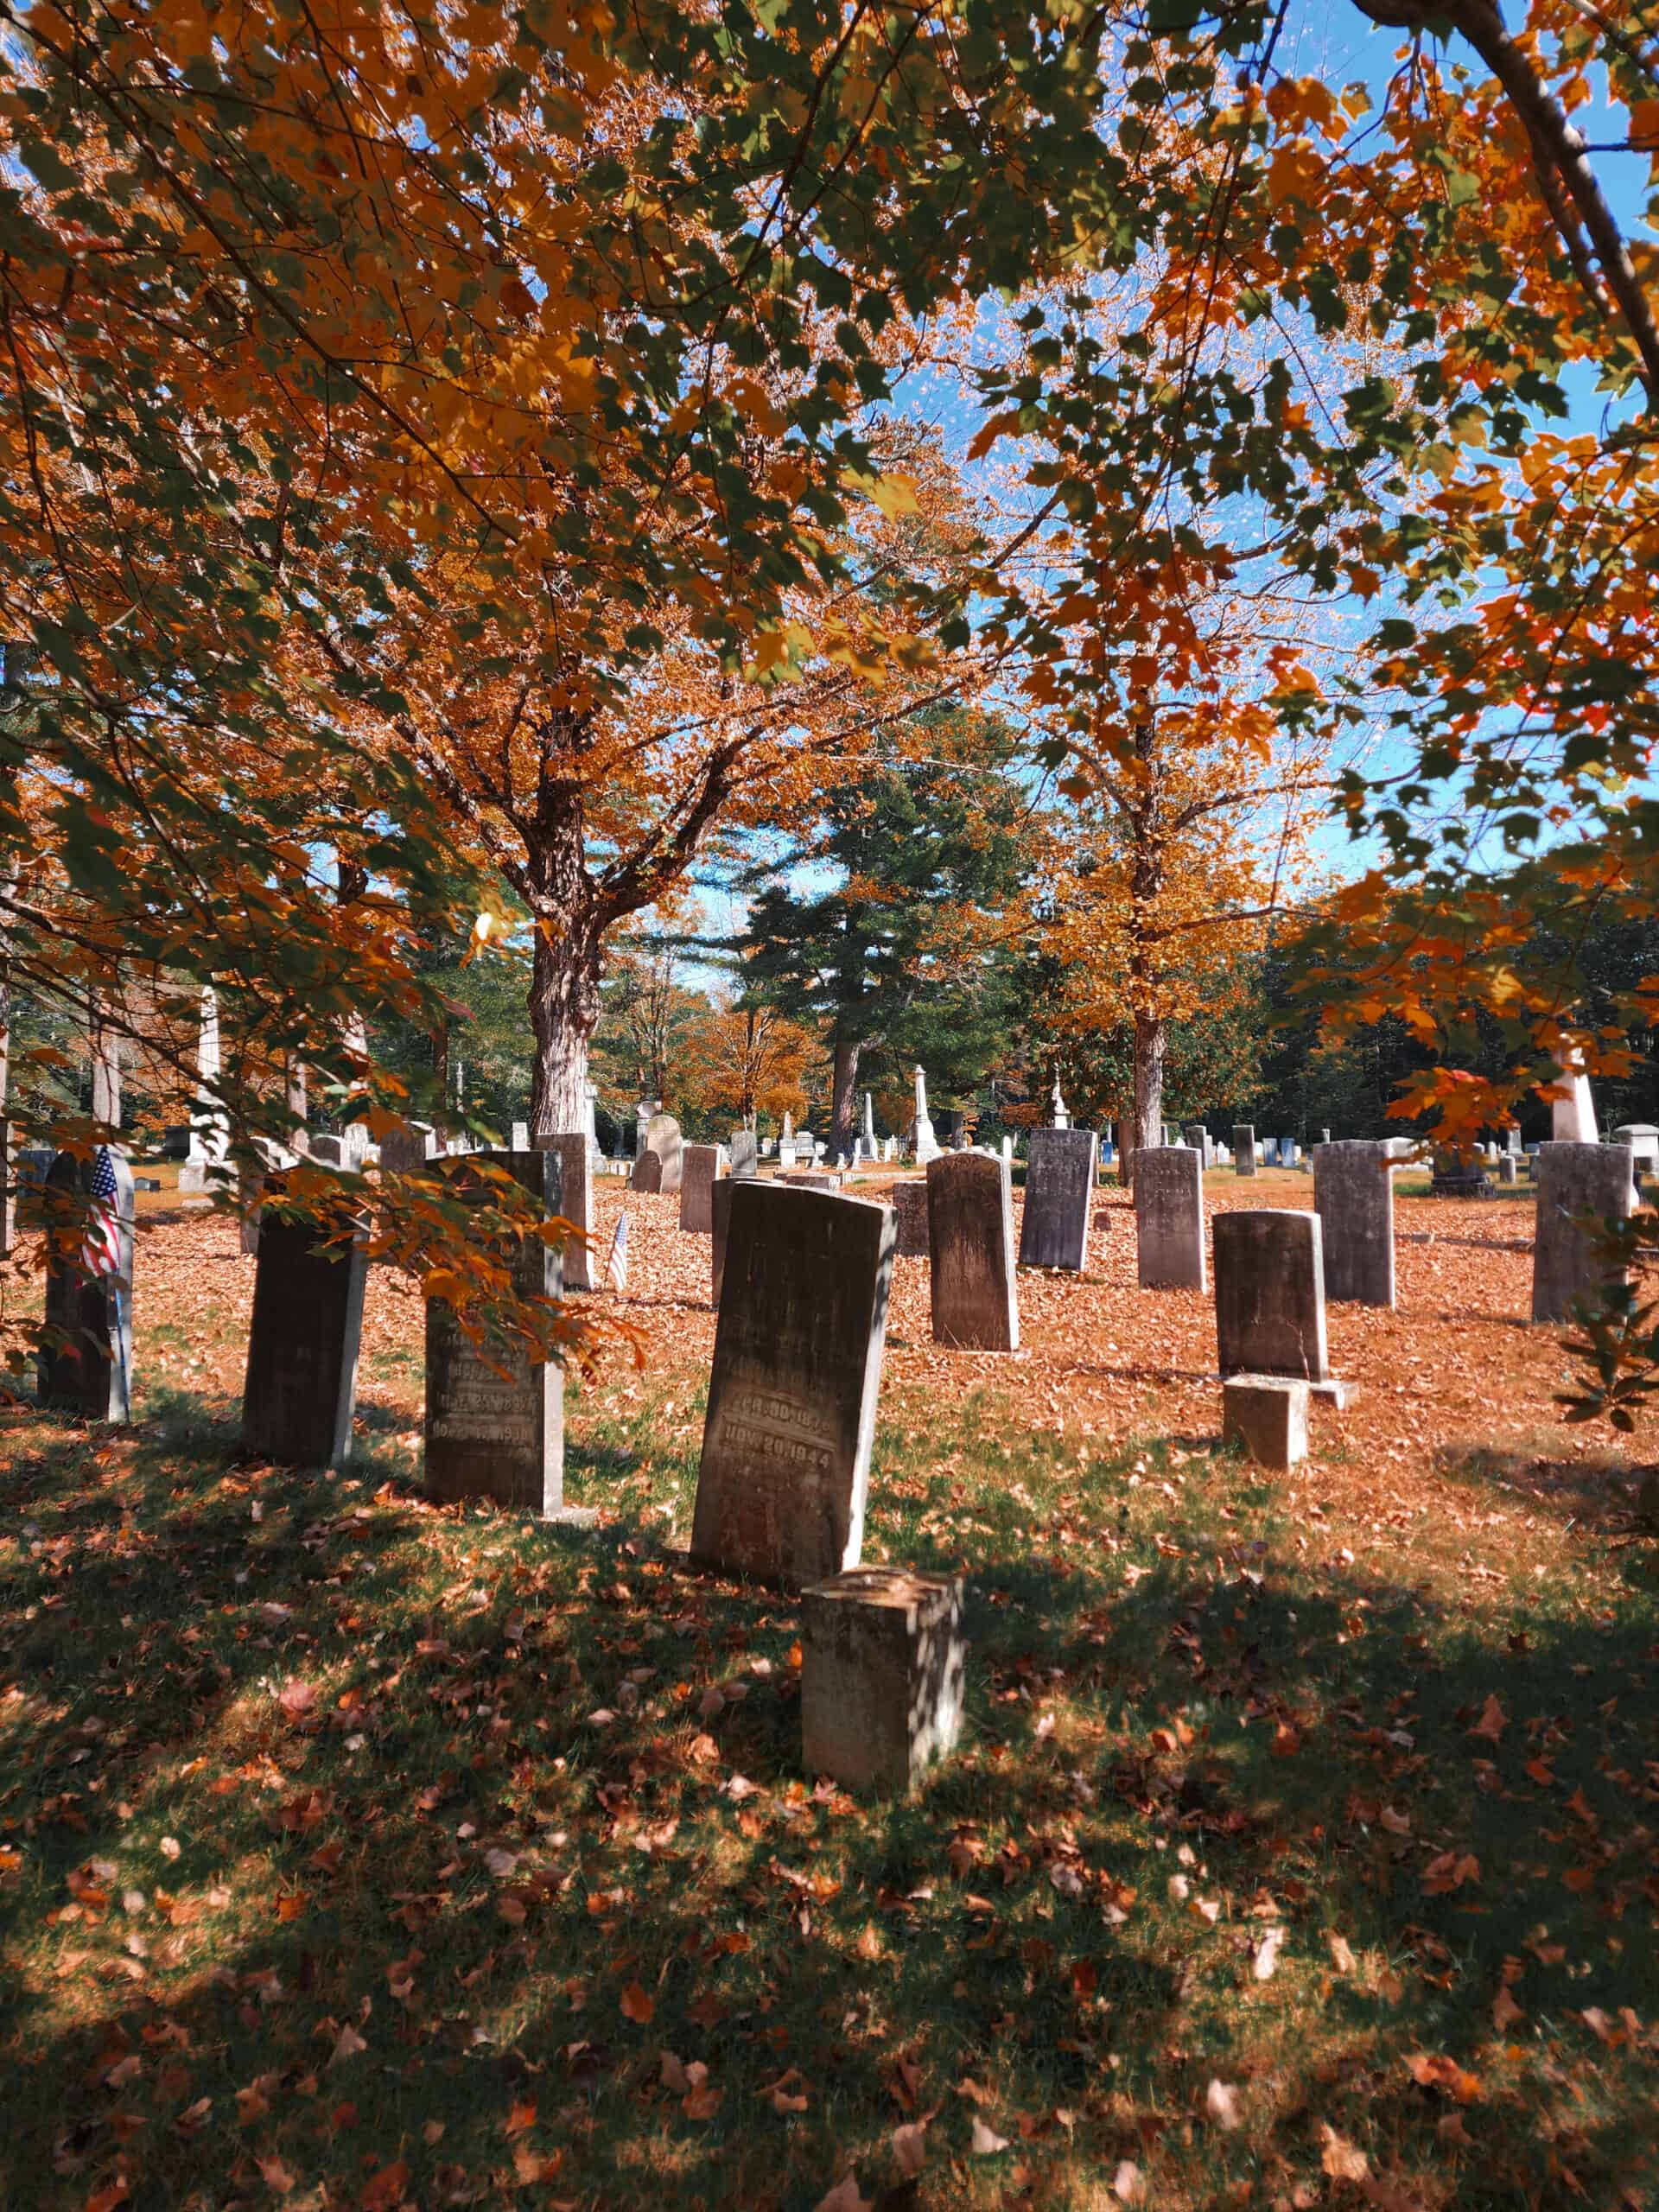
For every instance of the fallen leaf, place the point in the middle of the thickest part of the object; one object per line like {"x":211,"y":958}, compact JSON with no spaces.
{"x":384,"y":2189}
{"x":1492,"y":1722}
{"x":1506,"y":2012}
{"x":276,"y":2174}
{"x":1342,"y":1956}
{"x":636,"y":2004}
{"x":1267,"y":1953}
{"x":520,"y":2118}
{"x":1342,"y":2160}
{"x":674,"y":2075}
{"x":1432,"y":2071}
{"x":984,"y":2142}
{"x":1221,"y":2104}
{"x":1126,"y":2182}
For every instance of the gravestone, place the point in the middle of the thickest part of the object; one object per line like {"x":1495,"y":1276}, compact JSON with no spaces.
{"x":1353,"y":1196}
{"x":662,"y":1135}
{"x":495,"y":1423}
{"x":792,"y":1395}
{"x":1270,"y":1295}
{"x":1169,"y":1217}
{"x":923,"y":1142}
{"x":699,"y":1166}
{"x":1267,"y":1415}
{"x":576,"y":1201}
{"x":1059,"y":1190}
{"x":970,"y":1252}
{"x":1509,"y":1169}
{"x":301,"y":1385}
{"x":521,"y":1137}
{"x":647,"y":1174}
{"x":1244,"y":1148}
{"x":1198,"y":1137}
{"x":1575,"y":1179}
{"x":720,"y":1216}
{"x":406,"y":1150}
{"x":330,"y":1152}
{"x":745,"y":1155}
{"x":87,"y":1216}
{"x":883,"y":1667}
{"x":1642,"y":1138}
{"x":910,"y":1210}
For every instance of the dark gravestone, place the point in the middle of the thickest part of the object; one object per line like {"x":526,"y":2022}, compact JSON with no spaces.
{"x":575,"y":1202}
{"x":792,"y":1397}
{"x":720,"y":1213}
{"x":86,"y":1363}
{"x":1059,"y":1190}
{"x":1353,"y":1196}
{"x":301,"y":1388}
{"x":699,"y":1166}
{"x":495,"y":1423}
{"x":1575,"y":1179}
{"x":1270,"y":1295}
{"x":406,"y":1149}
{"x":1198,"y":1137}
{"x":970,"y":1252}
{"x":1244,"y":1148}
{"x":647,"y":1174}
{"x":1169,"y":1217}
{"x":910,"y":1210}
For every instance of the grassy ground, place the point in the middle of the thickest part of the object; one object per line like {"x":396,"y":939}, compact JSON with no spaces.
{"x":354,"y":1854}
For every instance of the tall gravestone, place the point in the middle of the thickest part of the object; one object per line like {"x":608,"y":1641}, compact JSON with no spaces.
{"x":575,"y":1160}
{"x":86,"y":1361}
{"x":700,"y":1167}
{"x":1059,"y":1192}
{"x":1244,"y":1148}
{"x":406,"y":1149}
{"x":300,"y":1387}
{"x":910,"y":1212}
{"x":792,"y":1393}
{"x":1575,"y":1180}
{"x":1169,"y":1217}
{"x":970,"y":1252}
{"x":494,"y":1422}
{"x":660,"y":1139}
{"x":745,"y":1155}
{"x":720,"y":1213}
{"x":1353,"y":1196}
{"x":1198,"y":1137}
{"x":1270,"y":1295}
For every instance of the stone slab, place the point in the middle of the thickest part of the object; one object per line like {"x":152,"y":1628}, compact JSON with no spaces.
{"x":300,"y":1389}
{"x":1270,"y":1295}
{"x":1267,"y":1415}
{"x":494,"y":1422}
{"x":883,"y":1670}
{"x":647,"y":1174}
{"x":1169,"y":1217}
{"x":1574,"y":1180}
{"x":88,"y":1370}
{"x":792,"y":1393}
{"x":744,"y":1154}
{"x":1059,"y":1192}
{"x":1353,"y":1196}
{"x":1244,"y":1148}
{"x":576,"y":1160}
{"x":970,"y":1252}
{"x":662,"y":1136}
{"x":910,"y":1209}
{"x":701,"y":1166}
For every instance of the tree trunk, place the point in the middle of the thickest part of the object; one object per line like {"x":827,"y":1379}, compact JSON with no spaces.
{"x":844,"y":1098}
{"x":8,"y":1196}
{"x":105,"y":1050}
{"x":1149,"y":1039}
{"x":293,"y":1088}
{"x":563,"y":1015}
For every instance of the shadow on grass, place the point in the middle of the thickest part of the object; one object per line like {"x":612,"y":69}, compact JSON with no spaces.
{"x":395,"y":1819}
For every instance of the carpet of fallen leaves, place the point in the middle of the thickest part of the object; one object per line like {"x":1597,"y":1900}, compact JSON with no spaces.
{"x":1300,"y":1850}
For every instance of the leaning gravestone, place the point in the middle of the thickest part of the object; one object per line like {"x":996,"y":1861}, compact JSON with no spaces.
{"x":495,"y":1423}
{"x":301,"y":1388}
{"x":970,"y":1252}
{"x":576,"y":1160}
{"x":699,"y":1166}
{"x":1576,"y":1180}
{"x":1353,"y":1196}
{"x":1169,"y":1217}
{"x":1270,"y":1295}
{"x":745,"y":1155}
{"x":1244,"y":1148}
{"x":662,"y":1138}
{"x":792,"y":1397}
{"x":85,"y":1364}
{"x":910,"y":1209}
{"x":1198,"y":1137}
{"x":1060,"y":1190}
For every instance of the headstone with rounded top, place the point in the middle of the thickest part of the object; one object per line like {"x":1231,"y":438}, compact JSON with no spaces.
{"x":1270,"y":1293}
{"x":910,"y":1210}
{"x":1059,"y":1192}
{"x":970,"y":1252}
{"x":701,"y":1166}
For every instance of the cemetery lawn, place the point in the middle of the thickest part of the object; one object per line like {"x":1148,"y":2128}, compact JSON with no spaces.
{"x":1299,"y":1851}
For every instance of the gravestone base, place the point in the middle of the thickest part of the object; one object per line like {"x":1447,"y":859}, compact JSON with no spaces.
{"x":883,"y":1662}
{"x":1267,"y":1415}
{"x":1335,"y":1392}
{"x":570,"y":1517}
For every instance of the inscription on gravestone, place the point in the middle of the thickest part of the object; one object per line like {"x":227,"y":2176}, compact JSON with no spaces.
{"x":1270,"y":1295}
{"x":1353,"y":1196}
{"x":1059,"y":1190}
{"x":1169,"y":1217}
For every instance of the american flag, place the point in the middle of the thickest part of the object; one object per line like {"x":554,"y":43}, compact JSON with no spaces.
{"x":100,"y":1252}
{"x":616,"y":1271}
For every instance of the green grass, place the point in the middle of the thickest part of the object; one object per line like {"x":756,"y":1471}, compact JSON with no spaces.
{"x":324,"y":1885}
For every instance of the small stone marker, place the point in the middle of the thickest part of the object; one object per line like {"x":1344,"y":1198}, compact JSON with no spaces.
{"x":662,"y":1136}
{"x":883,"y":1666}
{"x":406,"y":1150}
{"x":495,"y":1423}
{"x":1169,"y":1217}
{"x":1575,"y":1179}
{"x":521,"y":1136}
{"x":720,"y":1216}
{"x":745,"y":1155}
{"x":88,"y":1216}
{"x":700,"y":1168}
{"x":301,"y":1386}
{"x":1270,"y":1295}
{"x":910,"y":1207}
{"x":647,"y":1174}
{"x":971,"y":1251}
{"x":1353,"y":1196}
{"x":576,"y":1201}
{"x":792,"y":1396}
{"x":1059,"y":1190}
{"x":330,"y":1152}
{"x":1244,"y":1148}
{"x":1267,"y":1415}
{"x":1508,"y":1169}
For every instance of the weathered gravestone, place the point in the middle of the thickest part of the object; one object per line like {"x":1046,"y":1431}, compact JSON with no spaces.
{"x":1244,"y":1148}
{"x":1198,"y":1137}
{"x":700,"y":1167}
{"x":406,"y":1149}
{"x":883,"y":1666}
{"x":720,"y":1214}
{"x":745,"y":1155}
{"x":662,"y":1138}
{"x":1509,"y":1169}
{"x":910,"y":1208}
{"x":521,"y":1137}
{"x":647,"y":1174}
{"x":330,"y":1152}
{"x":1059,"y":1190}
{"x":970,"y":1252}
{"x":575,"y":1161}
{"x":1353,"y":1196}
{"x":1169,"y":1217}
{"x":495,"y":1423}
{"x":86,"y":1363}
{"x":300,"y":1387}
{"x":792,"y":1396}
{"x":1270,"y":1295}
{"x":1575,"y":1179}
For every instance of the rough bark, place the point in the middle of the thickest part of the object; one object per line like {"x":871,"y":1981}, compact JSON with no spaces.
{"x":1150,"y":1037}
{"x":8,"y":1196}
{"x":105,"y":1050}
{"x":843,"y":1112}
